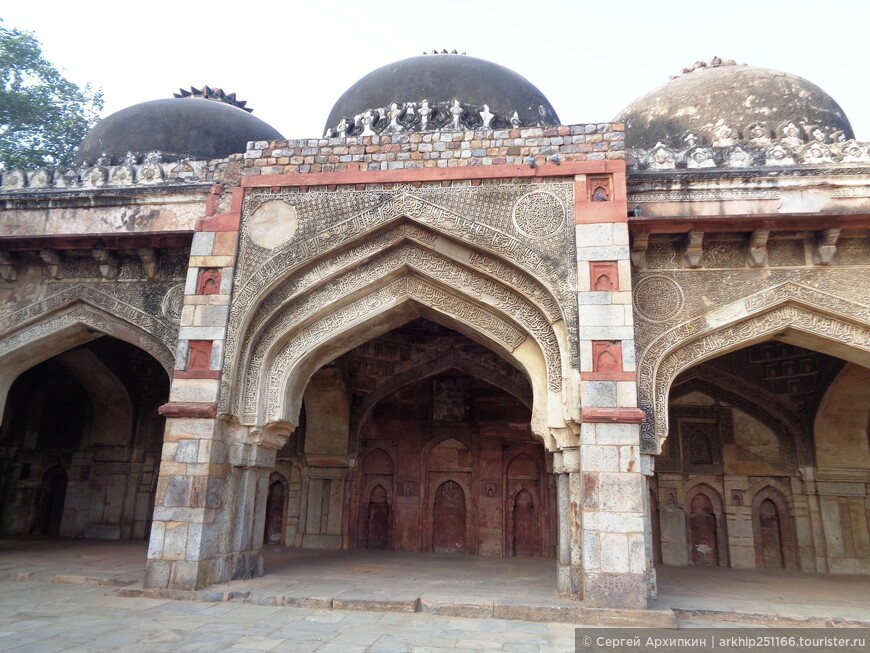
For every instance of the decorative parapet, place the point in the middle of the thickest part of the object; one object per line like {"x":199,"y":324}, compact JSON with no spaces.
{"x":532,"y":146}
{"x":756,"y":150}
{"x":149,"y":170}
{"x":423,"y":116}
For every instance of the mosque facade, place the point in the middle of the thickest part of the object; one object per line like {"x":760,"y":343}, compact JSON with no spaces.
{"x":451,"y":324}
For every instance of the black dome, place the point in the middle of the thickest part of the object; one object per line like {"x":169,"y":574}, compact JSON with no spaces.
{"x":736,"y":96}
{"x":440,"y":79}
{"x":194,"y":128}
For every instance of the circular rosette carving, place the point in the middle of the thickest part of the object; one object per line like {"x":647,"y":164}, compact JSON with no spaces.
{"x":172,"y":303}
{"x":539,"y":214}
{"x":658,"y":298}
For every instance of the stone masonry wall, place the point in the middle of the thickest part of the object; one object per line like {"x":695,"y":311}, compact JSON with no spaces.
{"x":591,"y":142}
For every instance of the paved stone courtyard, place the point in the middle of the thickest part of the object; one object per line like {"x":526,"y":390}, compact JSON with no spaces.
{"x":48,"y":617}
{"x":76,"y":596}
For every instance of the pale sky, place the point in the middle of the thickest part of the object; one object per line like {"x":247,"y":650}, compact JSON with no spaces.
{"x":292,"y":60}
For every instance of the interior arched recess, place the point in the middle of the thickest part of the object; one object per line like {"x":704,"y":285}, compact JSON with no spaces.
{"x":111,"y":405}
{"x":527,"y":357}
{"x":768,"y":409}
{"x":812,"y":327}
{"x":63,"y":330}
{"x":451,"y":361}
{"x":842,"y":426}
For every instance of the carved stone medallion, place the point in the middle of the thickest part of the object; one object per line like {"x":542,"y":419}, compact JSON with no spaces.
{"x":272,"y":223}
{"x":658,"y":298}
{"x":172,"y":303}
{"x":539,"y":214}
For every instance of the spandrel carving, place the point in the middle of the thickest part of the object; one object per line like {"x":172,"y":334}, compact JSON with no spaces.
{"x":338,"y":230}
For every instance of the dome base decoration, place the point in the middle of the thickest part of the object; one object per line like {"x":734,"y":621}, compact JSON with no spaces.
{"x":439,"y":92}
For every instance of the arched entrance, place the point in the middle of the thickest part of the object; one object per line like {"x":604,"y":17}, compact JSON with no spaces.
{"x":375,"y":528}
{"x":81,"y":442}
{"x":752,"y":425}
{"x":770,"y":535}
{"x":524,"y":529}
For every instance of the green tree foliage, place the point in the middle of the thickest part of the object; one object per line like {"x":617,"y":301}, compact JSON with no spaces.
{"x":43,"y":116}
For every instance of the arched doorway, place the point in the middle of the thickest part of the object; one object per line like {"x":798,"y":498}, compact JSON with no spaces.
{"x":773,"y":530}
{"x":81,"y":443}
{"x":770,"y":528}
{"x":378,"y":519}
{"x":744,"y":424}
{"x":523,"y":509}
{"x":432,"y":414}
{"x":525,"y":525}
{"x":375,"y":514}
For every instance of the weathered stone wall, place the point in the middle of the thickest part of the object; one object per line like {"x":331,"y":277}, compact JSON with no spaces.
{"x":590,"y":142}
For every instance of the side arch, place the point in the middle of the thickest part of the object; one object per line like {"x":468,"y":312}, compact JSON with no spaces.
{"x":64,"y":329}
{"x":790,"y":313}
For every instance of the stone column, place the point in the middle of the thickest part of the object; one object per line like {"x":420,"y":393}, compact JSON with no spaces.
{"x":252,"y":454}
{"x":566,"y":467}
{"x":611,"y":487}
{"x":647,"y":464}
{"x":188,"y":532}
{"x":615,"y":564}
{"x":185,"y":529}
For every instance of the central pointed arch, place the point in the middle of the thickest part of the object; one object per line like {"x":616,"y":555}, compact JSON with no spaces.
{"x":305,"y":351}
{"x":339,"y":289}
